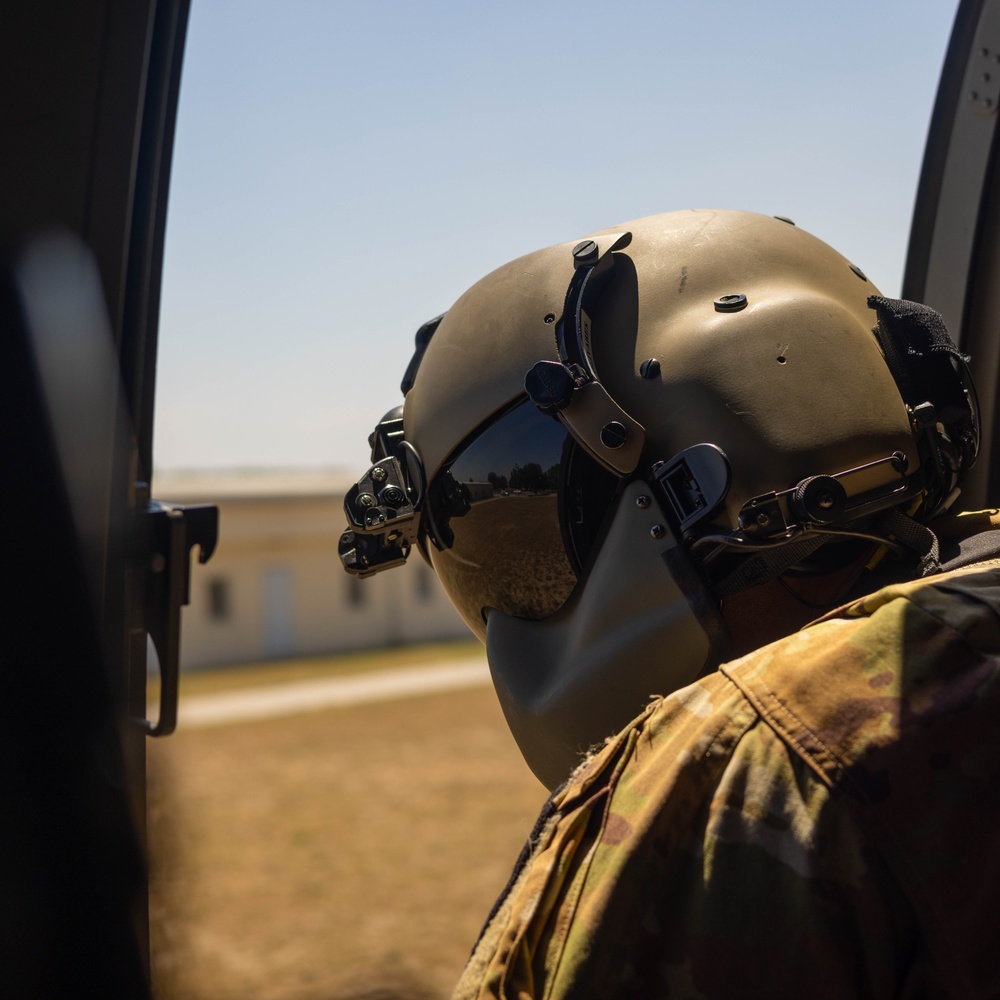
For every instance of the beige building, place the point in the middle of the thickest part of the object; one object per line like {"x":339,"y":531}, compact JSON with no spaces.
{"x":275,"y":587}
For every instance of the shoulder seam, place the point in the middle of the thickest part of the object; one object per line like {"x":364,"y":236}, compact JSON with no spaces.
{"x":807,"y":756}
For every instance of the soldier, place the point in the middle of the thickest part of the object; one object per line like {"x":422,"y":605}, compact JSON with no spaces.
{"x":696,"y":473}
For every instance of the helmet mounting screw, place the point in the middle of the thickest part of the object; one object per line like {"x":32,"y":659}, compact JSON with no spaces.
{"x":731,"y":303}
{"x":857,"y":270}
{"x":366,"y":500}
{"x":585,"y":252}
{"x":614,"y":434}
{"x":642,"y":501}
{"x":650,"y":368}
{"x":378,"y":473}
{"x":657,"y":531}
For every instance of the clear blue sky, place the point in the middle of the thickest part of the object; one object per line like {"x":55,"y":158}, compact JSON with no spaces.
{"x":343,"y":171}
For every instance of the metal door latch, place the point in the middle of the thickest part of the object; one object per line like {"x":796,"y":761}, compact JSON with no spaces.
{"x":171,"y":532}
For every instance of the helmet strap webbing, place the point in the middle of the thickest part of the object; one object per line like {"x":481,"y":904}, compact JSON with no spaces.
{"x":764,"y":566}
{"x":915,"y":536}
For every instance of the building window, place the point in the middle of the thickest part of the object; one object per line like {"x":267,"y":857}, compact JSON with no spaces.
{"x":422,"y":586}
{"x":219,"y":599}
{"x":355,"y":591}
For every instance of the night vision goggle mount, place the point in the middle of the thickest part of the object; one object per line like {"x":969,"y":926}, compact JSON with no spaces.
{"x":383,"y":507}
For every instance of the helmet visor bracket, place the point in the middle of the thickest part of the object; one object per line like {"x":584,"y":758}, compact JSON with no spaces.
{"x":570,"y":388}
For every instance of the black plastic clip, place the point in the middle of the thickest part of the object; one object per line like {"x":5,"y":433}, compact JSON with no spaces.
{"x":365,"y":555}
{"x":695,"y":482}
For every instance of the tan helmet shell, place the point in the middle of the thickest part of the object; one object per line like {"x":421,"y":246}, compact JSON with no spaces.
{"x":790,"y":385}
{"x":764,"y":347}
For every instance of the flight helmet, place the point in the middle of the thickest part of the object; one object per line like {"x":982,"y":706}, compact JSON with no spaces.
{"x":602,"y":440}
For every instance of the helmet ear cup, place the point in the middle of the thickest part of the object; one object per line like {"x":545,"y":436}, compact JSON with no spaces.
{"x":820,"y":500}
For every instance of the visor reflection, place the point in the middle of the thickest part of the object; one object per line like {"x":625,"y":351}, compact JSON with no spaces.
{"x":509,"y":559}
{"x":497,"y":512}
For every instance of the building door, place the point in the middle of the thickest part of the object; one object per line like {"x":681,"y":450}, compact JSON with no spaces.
{"x":279,"y":612}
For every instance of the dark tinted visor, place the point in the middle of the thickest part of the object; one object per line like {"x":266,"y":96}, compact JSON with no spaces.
{"x":513,"y":517}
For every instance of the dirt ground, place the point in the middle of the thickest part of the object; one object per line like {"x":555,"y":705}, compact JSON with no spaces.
{"x":348,"y":854}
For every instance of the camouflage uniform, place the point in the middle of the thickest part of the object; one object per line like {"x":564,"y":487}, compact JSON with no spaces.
{"x":820,"y":818}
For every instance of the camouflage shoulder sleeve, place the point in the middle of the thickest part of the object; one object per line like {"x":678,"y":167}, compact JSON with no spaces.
{"x":783,"y":824}
{"x":898,"y":712}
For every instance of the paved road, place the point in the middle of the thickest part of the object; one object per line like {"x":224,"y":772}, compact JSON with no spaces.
{"x":200,"y":711}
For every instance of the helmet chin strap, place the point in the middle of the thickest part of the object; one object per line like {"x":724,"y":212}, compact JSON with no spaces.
{"x":767,"y":565}
{"x":915,"y":536}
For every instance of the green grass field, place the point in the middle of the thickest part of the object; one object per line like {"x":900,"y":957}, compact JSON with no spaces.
{"x":346,"y":854}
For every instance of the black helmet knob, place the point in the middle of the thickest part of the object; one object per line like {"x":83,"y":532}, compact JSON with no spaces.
{"x":549,"y":386}
{"x":820,"y":499}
